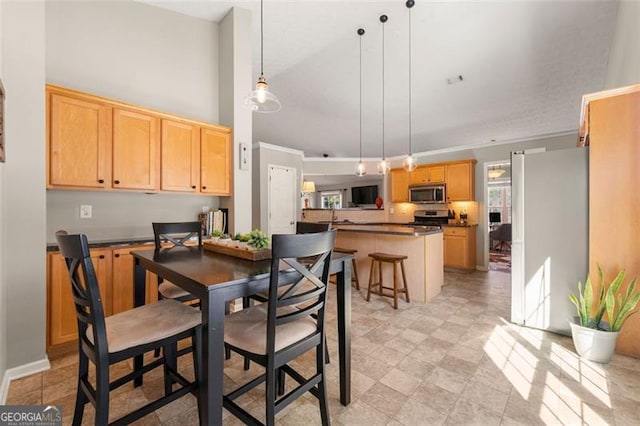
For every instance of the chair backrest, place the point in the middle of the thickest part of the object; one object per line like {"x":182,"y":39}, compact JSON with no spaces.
{"x":176,"y":233}
{"x":309,"y":255}
{"x":310,"y":227}
{"x":84,"y":290}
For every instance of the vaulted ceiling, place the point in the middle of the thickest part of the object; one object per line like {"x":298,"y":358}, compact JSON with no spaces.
{"x":525,"y":66}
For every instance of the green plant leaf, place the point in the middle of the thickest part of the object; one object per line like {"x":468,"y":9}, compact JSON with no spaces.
{"x":575,"y":301}
{"x":626,"y":310}
{"x":588,"y":300}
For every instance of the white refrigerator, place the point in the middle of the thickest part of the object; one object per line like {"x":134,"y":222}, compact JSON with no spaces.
{"x":550,"y":235}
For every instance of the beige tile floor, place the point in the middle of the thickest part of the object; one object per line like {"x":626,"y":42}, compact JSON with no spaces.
{"x":454,"y":361}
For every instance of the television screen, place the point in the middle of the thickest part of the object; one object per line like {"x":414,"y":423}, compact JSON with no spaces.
{"x":364,"y":194}
{"x":494,"y":217}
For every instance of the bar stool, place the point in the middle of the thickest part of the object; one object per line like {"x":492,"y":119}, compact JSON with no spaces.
{"x":354,"y":276}
{"x":381,"y":258}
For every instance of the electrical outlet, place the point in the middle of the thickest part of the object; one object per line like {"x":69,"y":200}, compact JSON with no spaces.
{"x":85,"y":211}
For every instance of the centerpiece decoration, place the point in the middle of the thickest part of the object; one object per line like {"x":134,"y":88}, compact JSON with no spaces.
{"x":253,"y":245}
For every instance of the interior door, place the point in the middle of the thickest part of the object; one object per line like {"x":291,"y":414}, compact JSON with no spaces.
{"x":282,"y":200}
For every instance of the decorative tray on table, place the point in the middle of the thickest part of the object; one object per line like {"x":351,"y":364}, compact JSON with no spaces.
{"x":241,"y":252}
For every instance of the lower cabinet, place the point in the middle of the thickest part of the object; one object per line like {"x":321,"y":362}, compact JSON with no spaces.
{"x":460,"y":247}
{"x":114,"y":270}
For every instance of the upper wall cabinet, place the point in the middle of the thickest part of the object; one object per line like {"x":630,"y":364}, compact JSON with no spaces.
{"x":460,"y":182}
{"x":427,"y":174}
{"x":79,"y":142}
{"x":97,"y":143}
{"x":399,"y":186}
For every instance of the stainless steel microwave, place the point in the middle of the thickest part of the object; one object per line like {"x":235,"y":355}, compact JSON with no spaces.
{"x":428,"y":194}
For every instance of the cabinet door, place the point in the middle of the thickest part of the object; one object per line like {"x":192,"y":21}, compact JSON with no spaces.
{"x":123,"y":278}
{"x":62,"y":316}
{"x":435,"y":174}
{"x":455,"y":251}
{"x":419,"y":175}
{"x":136,"y":139}
{"x":79,"y":143}
{"x":399,"y":186}
{"x":460,"y":182}
{"x":215,"y":161}
{"x":180,"y":156}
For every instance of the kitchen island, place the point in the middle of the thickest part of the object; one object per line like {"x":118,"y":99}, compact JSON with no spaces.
{"x":422,"y":245}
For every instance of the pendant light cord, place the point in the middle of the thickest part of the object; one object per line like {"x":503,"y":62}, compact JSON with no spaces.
{"x":410,"y":62}
{"x":261,"y":39}
{"x":360,"y":93}
{"x":383,"y":20}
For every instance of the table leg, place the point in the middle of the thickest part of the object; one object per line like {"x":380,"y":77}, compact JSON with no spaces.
{"x":139,"y":283}
{"x":344,"y":330}
{"x":212,"y":374}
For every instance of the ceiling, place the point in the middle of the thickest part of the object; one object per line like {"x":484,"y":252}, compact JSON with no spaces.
{"x":525,"y":67}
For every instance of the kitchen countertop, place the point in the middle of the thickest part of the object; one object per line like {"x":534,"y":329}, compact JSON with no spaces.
{"x":461,"y":225}
{"x":405,"y":231}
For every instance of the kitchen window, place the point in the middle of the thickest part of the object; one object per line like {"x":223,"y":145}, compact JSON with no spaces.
{"x":331,"y":199}
{"x":500,"y":201}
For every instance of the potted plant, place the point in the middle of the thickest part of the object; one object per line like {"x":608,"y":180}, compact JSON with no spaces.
{"x":258,"y":240}
{"x":241,"y":240}
{"x":215,"y":235}
{"x":224,"y":240}
{"x":593,"y":338}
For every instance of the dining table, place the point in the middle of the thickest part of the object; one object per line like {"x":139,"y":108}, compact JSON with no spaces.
{"x":216,"y":279}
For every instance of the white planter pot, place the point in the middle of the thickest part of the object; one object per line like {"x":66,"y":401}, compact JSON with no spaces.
{"x":594,"y":345}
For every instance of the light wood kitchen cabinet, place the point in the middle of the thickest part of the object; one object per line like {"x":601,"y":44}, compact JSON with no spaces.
{"x":123,"y":278}
{"x":460,"y":246}
{"x":78,"y":143}
{"x":460,"y":181}
{"x":399,"y":186}
{"x":427,"y":174}
{"x":180,"y":153}
{"x":99,"y":143}
{"x":136,"y":139}
{"x":61,"y":316}
{"x":215,"y":161}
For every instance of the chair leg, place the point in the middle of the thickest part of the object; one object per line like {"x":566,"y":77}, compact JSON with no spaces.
{"x":354,"y":268}
{"x":227,"y":353}
{"x":326,"y":352}
{"x":247,"y":363}
{"x":170,"y":363}
{"x":395,"y":285}
{"x":81,"y":398}
{"x":281,"y":381}
{"x":322,"y":388}
{"x":404,"y":280}
{"x":102,"y":393}
{"x":196,"y":343}
{"x":370,"y":279}
{"x":270,"y":395}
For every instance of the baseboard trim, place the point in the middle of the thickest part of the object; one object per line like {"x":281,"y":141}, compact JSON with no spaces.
{"x":19,"y":372}
{"x":482,"y":268}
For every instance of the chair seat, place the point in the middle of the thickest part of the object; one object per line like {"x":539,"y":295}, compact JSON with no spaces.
{"x":247,"y":329}
{"x":169,"y":290}
{"x":147,"y":324}
{"x":345,"y":250}
{"x":386,"y":257}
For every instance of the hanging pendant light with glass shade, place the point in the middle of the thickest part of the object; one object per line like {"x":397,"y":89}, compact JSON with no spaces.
{"x":409,"y":163}
{"x":383,"y":165}
{"x":261,"y":99}
{"x":361,"y":170}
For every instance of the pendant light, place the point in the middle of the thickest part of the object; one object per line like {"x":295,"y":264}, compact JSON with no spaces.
{"x":361,"y":170}
{"x":409,"y":163}
{"x":261,"y":99}
{"x":383,"y":165}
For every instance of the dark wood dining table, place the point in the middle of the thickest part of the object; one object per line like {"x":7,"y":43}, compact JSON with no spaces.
{"x":216,"y":279}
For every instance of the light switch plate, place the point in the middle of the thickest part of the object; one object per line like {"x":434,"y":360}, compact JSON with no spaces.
{"x":244,"y":156}
{"x":85,"y":211}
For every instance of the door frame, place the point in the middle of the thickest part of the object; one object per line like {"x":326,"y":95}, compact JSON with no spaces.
{"x":295,"y":192}
{"x":483,"y":225}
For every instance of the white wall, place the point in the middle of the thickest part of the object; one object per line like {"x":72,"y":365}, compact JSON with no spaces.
{"x":235,"y":83}
{"x":3,"y":287}
{"x":624,"y":58}
{"x":23,"y":69}
{"x":139,"y":54}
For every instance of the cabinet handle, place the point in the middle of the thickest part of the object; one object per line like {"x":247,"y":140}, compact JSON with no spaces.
{"x":100,"y":180}
{"x":101,"y":256}
{"x":193,"y":187}
{"x":204,"y":187}
{"x":116,"y":255}
{"x":116,"y":182}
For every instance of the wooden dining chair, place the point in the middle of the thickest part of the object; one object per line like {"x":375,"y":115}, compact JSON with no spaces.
{"x":167,"y":236}
{"x":291,"y":323}
{"x":106,"y":341}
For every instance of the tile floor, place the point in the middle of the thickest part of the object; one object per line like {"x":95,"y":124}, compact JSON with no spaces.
{"x":454,"y":361}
